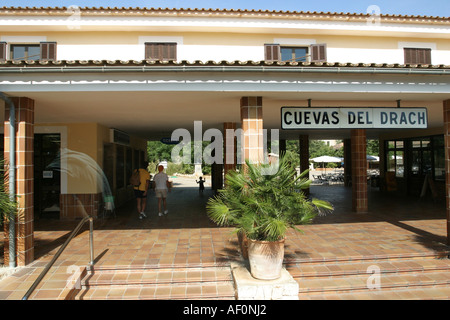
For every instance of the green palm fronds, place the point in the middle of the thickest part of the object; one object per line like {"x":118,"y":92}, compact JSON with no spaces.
{"x":6,"y":205}
{"x":265,"y":206}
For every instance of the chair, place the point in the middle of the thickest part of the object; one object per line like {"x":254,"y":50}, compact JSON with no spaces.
{"x":318,"y":179}
{"x":334,"y":178}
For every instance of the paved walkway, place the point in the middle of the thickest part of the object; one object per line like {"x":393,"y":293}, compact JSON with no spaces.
{"x":394,"y":226}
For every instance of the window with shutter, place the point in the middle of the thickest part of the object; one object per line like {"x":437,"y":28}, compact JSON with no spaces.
{"x":48,"y":50}
{"x":272,"y":52}
{"x":417,"y":55}
{"x":313,"y":53}
{"x":319,"y":52}
{"x":3,"y":46}
{"x":164,"y":51}
{"x":25,"y":52}
{"x":297,"y":54}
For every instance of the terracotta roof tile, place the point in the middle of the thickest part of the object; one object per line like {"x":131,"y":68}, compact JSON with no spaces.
{"x":215,"y":12}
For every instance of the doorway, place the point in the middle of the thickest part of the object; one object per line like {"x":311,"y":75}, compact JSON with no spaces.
{"x":47,"y":176}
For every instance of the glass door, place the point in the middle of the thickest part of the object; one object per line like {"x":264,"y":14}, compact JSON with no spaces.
{"x":47,"y":182}
{"x":420,"y":164}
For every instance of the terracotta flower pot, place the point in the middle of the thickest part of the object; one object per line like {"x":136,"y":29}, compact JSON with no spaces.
{"x":266,"y":258}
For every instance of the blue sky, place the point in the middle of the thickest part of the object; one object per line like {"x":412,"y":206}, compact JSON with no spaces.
{"x":405,"y":7}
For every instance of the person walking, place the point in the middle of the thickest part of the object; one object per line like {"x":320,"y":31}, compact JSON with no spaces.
{"x":140,"y":190}
{"x":162,"y":186}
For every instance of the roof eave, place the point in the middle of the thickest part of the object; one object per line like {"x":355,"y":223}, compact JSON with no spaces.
{"x":10,"y":66}
{"x":205,"y":12}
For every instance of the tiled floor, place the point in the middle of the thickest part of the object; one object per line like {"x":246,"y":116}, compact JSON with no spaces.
{"x":394,"y":226}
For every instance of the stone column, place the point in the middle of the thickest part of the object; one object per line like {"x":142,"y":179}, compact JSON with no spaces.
{"x":359,"y":171}
{"x":447,"y":163}
{"x":252,"y":126}
{"x":24,"y":179}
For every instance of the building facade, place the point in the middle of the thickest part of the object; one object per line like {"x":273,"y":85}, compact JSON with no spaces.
{"x":90,"y":86}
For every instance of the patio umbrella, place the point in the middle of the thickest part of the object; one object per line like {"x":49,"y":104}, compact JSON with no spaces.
{"x":326,"y":159}
{"x":371,"y":159}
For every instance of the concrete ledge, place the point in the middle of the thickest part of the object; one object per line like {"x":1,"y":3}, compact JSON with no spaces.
{"x":249,"y":288}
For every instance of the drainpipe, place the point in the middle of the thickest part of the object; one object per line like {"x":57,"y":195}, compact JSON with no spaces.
{"x":12,"y":177}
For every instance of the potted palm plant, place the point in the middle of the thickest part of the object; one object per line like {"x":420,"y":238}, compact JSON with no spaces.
{"x":262,"y":207}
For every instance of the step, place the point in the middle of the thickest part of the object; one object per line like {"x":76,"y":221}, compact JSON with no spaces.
{"x":422,"y":274}
{"x":158,"y":283}
{"x":389,"y":257}
{"x":344,"y":284}
{"x":394,"y":278}
{"x":305,"y":270}
{"x":154,"y":276}
{"x":188,"y":291}
{"x":425,"y":293}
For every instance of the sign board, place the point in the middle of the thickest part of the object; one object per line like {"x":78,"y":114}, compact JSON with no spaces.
{"x":169,"y":141}
{"x":47,"y":174}
{"x":294,"y":118}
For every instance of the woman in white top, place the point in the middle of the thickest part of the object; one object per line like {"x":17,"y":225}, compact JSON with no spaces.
{"x":162,"y":186}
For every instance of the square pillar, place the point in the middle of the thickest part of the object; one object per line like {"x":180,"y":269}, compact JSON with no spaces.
{"x":252,"y":127}
{"x":229,"y":146}
{"x":347,"y":162}
{"x":304,"y":152}
{"x":216,"y":176}
{"x":282,"y":147}
{"x":359,"y":171}
{"x":304,"y":155}
{"x":24,"y":179}
{"x":447,"y":163}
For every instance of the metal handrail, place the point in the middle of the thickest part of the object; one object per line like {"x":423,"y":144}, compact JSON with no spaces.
{"x":61,"y":249}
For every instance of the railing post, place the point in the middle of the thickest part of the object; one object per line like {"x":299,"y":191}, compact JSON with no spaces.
{"x":91,"y":241}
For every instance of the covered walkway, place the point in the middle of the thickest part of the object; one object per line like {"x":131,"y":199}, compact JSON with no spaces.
{"x":395,"y":226}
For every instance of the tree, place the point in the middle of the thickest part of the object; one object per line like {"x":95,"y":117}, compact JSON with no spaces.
{"x":158,"y":151}
{"x":317,"y":148}
{"x":373,"y":147}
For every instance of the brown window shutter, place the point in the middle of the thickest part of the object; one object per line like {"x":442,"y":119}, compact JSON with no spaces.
{"x":172,"y":51}
{"x":272,"y":52}
{"x":164,"y":51}
{"x":150,"y":51}
{"x":408,"y":55}
{"x":161,"y":51}
{"x":3,"y":46}
{"x":48,"y":50}
{"x":168,"y":51}
{"x":426,"y":56}
{"x":318,"y":52}
{"x":417,"y":55}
